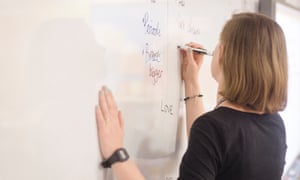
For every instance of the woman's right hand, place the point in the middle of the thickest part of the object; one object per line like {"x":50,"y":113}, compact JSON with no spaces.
{"x":191,"y":64}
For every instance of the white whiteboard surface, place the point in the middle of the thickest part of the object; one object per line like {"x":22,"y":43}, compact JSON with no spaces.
{"x":55,"y":55}
{"x":289,"y":20}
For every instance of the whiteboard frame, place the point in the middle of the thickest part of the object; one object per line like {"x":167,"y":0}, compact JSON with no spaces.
{"x":268,"y":7}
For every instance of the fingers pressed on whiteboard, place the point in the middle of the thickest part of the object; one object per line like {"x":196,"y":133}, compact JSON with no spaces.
{"x":110,"y":100}
{"x":111,"y":105}
{"x":99,"y":118}
{"x":103,"y":105}
{"x":121,"y":120}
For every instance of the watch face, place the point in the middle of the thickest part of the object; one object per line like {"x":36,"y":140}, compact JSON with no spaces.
{"x":122,"y":154}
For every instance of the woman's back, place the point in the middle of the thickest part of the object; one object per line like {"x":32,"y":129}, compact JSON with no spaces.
{"x":230,"y":144}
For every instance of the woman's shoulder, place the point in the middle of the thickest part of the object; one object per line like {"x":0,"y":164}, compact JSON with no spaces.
{"x":225,"y":117}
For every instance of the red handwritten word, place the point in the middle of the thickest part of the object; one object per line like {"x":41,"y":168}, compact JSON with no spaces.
{"x":155,"y":74}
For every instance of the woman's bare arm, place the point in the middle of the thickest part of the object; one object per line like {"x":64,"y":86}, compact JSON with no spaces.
{"x":111,"y":134}
{"x":191,"y":65}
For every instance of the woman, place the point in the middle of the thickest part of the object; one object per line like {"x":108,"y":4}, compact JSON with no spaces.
{"x":243,"y":138}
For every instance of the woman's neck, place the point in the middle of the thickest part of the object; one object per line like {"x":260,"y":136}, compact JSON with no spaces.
{"x":223,"y":102}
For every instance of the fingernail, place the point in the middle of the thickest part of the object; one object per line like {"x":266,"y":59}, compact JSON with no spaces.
{"x":107,"y":89}
{"x":101,"y":93}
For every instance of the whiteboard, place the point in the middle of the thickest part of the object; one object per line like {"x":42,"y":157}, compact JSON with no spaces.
{"x":289,"y":20}
{"x":55,"y":55}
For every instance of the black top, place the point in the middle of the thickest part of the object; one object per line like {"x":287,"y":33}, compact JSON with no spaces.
{"x":226,"y":144}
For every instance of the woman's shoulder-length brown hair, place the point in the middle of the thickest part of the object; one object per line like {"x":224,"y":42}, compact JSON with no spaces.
{"x":254,"y":63}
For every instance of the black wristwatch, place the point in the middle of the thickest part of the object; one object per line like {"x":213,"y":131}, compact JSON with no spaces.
{"x":120,"y":155}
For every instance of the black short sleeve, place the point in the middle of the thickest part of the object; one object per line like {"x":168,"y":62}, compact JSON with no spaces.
{"x":202,"y":157}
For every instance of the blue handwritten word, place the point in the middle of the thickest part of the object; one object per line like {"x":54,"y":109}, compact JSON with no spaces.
{"x":180,"y":2}
{"x":150,"y":27}
{"x":193,"y":30}
{"x":189,"y":28}
{"x":150,"y":54}
{"x":181,"y":24}
{"x":166,"y":108}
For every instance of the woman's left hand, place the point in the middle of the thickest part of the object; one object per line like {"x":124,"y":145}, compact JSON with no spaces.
{"x":110,"y":123}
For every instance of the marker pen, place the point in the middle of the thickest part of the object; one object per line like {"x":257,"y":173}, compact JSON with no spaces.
{"x":197,"y":50}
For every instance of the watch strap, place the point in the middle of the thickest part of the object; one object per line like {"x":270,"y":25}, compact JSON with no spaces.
{"x":120,"y":155}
